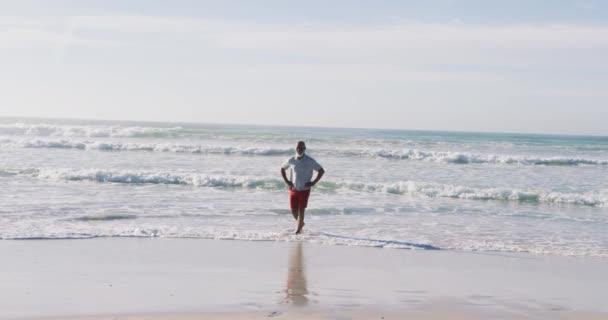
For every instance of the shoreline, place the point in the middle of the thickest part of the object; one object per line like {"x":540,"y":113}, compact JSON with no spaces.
{"x":154,"y":278}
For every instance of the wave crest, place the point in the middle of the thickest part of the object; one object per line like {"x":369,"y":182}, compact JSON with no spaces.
{"x":405,"y":154}
{"x":54,"y":130}
{"x":407,"y":188}
{"x":436,"y":190}
{"x":468,"y":158}
{"x":135,"y":177}
{"x":153,"y":147}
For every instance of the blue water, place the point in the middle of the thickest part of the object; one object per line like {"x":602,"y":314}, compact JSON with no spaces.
{"x":543,"y":194}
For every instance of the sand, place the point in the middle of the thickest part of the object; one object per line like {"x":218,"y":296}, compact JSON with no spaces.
{"x":155,"y":278}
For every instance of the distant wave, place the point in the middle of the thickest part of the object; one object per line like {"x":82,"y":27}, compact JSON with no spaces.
{"x":404,"y":154}
{"x":160,"y":147}
{"x":407,"y":188}
{"x":466,"y":158}
{"x":55,"y":130}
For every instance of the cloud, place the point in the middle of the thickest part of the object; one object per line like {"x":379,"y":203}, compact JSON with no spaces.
{"x":423,"y":36}
{"x":28,"y":33}
{"x":406,"y":35}
{"x":427,"y":44}
{"x":144,"y":24}
{"x":399,"y":43}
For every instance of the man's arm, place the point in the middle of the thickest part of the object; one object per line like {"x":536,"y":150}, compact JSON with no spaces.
{"x":320,"y":174}
{"x":289,"y":183}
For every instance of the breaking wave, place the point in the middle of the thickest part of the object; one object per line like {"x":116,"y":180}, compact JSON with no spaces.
{"x":135,"y":177}
{"x":155,"y":147}
{"x":54,"y":130}
{"x":467,"y":158}
{"x":436,"y":190}
{"x":406,"y":188}
{"x":405,"y":154}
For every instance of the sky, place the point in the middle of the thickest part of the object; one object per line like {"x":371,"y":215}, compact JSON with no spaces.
{"x":457,"y":65}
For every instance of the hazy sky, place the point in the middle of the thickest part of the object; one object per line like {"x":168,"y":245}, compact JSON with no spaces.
{"x":516,"y":66}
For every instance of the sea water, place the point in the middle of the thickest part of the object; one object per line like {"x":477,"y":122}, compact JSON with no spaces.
{"x":490,"y":192}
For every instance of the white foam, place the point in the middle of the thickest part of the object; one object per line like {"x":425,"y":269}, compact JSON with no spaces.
{"x":112,"y":228}
{"x":138,"y":177}
{"x":466,"y":158}
{"x":55,"y":130}
{"x":452,"y":157}
{"x":408,"y":188}
{"x":154,"y":147}
{"x":219,"y":234}
{"x":436,"y":190}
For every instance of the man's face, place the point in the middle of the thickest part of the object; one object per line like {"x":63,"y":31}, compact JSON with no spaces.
{"x":300,"y":149}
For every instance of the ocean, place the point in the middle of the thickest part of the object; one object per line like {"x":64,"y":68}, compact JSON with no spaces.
{"x":459,"y":191}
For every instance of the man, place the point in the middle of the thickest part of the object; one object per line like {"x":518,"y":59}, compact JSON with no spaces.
{"x":302,"y":167}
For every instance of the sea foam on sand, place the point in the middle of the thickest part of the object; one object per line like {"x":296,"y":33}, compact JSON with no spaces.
{"x":139,"y":278}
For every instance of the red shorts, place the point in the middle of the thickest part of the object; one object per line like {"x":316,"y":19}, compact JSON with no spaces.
{"x":298,"y":199}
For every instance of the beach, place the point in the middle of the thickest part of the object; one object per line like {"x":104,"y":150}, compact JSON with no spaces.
{"x":158,"y":278}
{"x":142,"y":220}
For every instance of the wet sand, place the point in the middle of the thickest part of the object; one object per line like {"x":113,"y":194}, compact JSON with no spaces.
{"x":141,"y":278}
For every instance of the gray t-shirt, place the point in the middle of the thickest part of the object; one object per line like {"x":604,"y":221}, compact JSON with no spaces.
{"x":301,"y":170}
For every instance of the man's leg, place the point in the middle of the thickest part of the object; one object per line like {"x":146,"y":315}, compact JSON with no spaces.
{"x":300,"y":220}
{"x":293,"y":203}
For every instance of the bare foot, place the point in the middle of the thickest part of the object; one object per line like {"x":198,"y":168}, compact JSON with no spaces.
{"x":299,"y":230}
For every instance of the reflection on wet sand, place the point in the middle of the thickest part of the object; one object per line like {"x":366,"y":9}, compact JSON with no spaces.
{"x":296,"y":292}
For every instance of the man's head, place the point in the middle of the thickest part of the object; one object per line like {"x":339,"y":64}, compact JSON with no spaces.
{"x":300,"y":148}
